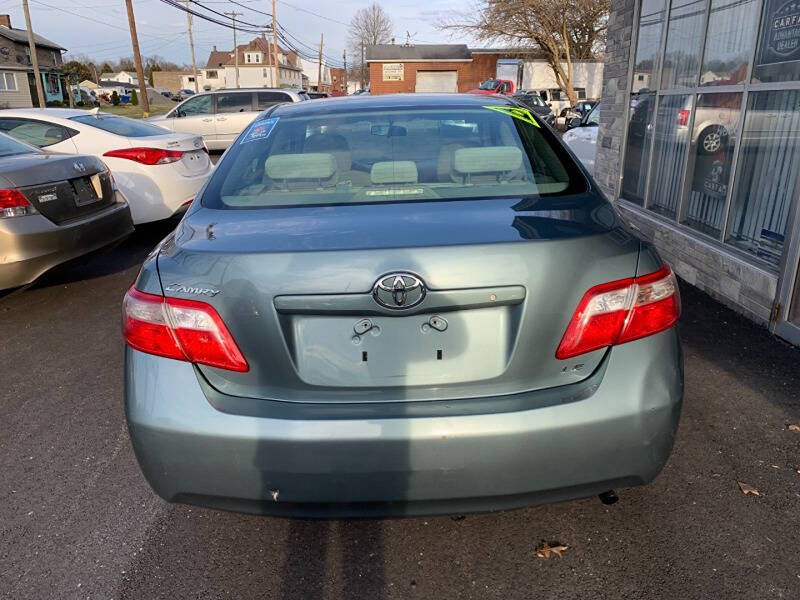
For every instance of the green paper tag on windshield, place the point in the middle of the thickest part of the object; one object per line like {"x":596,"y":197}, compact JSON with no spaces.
{"x":523,"y":114}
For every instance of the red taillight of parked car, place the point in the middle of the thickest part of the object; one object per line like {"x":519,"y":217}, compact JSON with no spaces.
{"x":147,"y":156}
{"x":186,"y":330}
{"x":14,"y":204}
{"x":683,"y":117}
{"x":622,"y":311}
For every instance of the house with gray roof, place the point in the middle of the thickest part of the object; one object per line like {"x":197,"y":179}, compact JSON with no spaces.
{"x":17,"y":83}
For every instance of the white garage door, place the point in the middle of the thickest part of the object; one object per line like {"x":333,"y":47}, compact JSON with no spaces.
{"x":437,"y":81}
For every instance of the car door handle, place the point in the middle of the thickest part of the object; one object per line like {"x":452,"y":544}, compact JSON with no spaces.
{"x":221,"y":119}
{"x":207,"y":120}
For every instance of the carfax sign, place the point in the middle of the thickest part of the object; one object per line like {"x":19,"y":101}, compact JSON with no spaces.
{"x":780,"y":32}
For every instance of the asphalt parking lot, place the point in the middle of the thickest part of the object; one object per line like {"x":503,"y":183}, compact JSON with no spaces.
{"x":77,"y":520}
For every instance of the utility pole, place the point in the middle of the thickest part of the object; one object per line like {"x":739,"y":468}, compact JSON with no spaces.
{"x":233,"y":15}
{"x":362,"y":66}
{"x":96,"y":78}
{"x":275,"y":46}
{"x":191,"y":45}
{"x":137,"y":57}
{"x":319,"y":66}
{"x":344,"y":82}
{"x":34,"y":59}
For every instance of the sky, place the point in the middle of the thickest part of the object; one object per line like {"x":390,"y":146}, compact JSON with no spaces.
{"x":99,"y":28}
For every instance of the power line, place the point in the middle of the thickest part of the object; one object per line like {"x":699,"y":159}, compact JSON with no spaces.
{"x":310,"y":12}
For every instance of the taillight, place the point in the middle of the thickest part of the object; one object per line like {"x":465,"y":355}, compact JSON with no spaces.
{"x":186,"y":330}
{"x":147,"y":156}
{"x":622,"y":311}
{"x":14,"y":204}
{"x":683,"y":117}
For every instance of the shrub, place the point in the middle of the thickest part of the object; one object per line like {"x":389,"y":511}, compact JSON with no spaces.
{"x":115,"y":98}
{"x":134,"y":98}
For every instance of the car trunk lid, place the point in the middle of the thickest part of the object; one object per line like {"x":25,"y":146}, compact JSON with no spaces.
{"x":61,"y":187}
{"x":295,"y":286}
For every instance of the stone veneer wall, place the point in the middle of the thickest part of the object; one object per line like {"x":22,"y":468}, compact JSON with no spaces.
{"x":731,"y":280}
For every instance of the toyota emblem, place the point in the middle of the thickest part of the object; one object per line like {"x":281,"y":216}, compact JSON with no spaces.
{"x":398,"y":291}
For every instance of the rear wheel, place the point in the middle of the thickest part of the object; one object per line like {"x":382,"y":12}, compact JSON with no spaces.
{"x":712,"y":139}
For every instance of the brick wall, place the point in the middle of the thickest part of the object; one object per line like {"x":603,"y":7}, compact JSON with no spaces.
{"x":615,"y":95}
{"x":466,"y":78}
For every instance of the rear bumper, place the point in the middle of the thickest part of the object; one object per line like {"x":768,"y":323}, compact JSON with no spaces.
{"x":31,"y":245}
{"x":155,"y":192}
{"x":620,"y":434}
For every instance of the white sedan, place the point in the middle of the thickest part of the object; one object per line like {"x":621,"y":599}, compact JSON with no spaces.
{"x":157,"y":170}
{"x":582,"y":138}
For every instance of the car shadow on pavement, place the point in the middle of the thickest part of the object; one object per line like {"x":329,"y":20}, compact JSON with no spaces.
{"x":128,"y":253}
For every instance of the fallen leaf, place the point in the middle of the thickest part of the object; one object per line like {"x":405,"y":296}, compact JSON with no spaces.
{"x":793,"y":426}
{"x":545,"y":550}
{"x":748,"y":489}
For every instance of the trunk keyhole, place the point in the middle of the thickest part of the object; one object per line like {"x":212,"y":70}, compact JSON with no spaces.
{"x":438,"y":355}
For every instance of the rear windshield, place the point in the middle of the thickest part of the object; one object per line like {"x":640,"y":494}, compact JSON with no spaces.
{"x":11,"y":147}
{"x":392,"y":155}
{"x":120,"y":125}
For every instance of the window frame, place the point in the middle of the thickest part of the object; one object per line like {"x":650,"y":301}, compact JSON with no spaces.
{"x":745,"y":88}
{"x":4,"y":81}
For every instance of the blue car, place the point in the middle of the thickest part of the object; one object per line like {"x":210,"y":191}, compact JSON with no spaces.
{"x":397,"y":305}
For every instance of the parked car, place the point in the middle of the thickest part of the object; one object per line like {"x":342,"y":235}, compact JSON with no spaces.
{"x":494,"y":86}
{"x":582,"y":137}
{"x":53,"y":208}
{"x":567,"y":116}
{"x":221,"y":115}
{"x":534,"y":102}
{"x":158,"y":171}
{"x":400,"y":305}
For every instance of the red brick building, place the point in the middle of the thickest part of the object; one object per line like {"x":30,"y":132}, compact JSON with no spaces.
{"x":431,"y":68}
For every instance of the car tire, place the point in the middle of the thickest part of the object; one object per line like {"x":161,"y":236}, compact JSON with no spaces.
{"x":712,"y":139}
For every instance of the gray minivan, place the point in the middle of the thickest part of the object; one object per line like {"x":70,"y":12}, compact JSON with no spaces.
{"x":219,"y":116}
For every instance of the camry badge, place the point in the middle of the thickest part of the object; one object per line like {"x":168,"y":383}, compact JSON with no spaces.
{"x":179,"y":288}
{"x":398,"y":291}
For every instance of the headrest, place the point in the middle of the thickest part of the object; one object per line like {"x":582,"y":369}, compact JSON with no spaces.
{"x":397,"y":171}
{"x":488,"y":159}
{"x":293,"y":167}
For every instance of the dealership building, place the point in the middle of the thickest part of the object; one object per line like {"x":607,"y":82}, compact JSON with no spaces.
{"x":699,"y":144}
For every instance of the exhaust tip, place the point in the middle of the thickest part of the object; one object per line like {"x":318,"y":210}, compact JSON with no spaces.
{"x":609,"y":497}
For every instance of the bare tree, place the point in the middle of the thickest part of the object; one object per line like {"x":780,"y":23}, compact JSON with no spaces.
{"x":369,"y":26}
{"x":562,"y":30}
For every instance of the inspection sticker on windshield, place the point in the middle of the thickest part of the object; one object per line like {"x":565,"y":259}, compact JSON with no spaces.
{"x":523,"y":114}
{"x":260,"y":130}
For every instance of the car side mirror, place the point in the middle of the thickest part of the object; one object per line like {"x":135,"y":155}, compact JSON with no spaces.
{"x":575,"y":122}
{"x":549,"y":105}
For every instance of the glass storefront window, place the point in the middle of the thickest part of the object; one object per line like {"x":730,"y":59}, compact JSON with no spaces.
{"x":766,"y":177}
{"x":637,"y":148}
{"x":778,"y":55}
{"x":684,"y":43}
{"x":648,"y":42}
{"x":729,"y":41}
{"x":716,"y":122}
{"x":669,"y":153}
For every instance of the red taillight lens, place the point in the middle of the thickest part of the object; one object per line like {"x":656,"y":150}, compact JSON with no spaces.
{"x":181,"y":329}
{"x":14,"y":204}
{"x":147,"y":156}
{"x":622,"y":311}
{"x":683,"y":117}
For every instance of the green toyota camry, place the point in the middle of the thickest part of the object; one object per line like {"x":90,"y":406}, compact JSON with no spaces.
{"x":396,"y":305}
